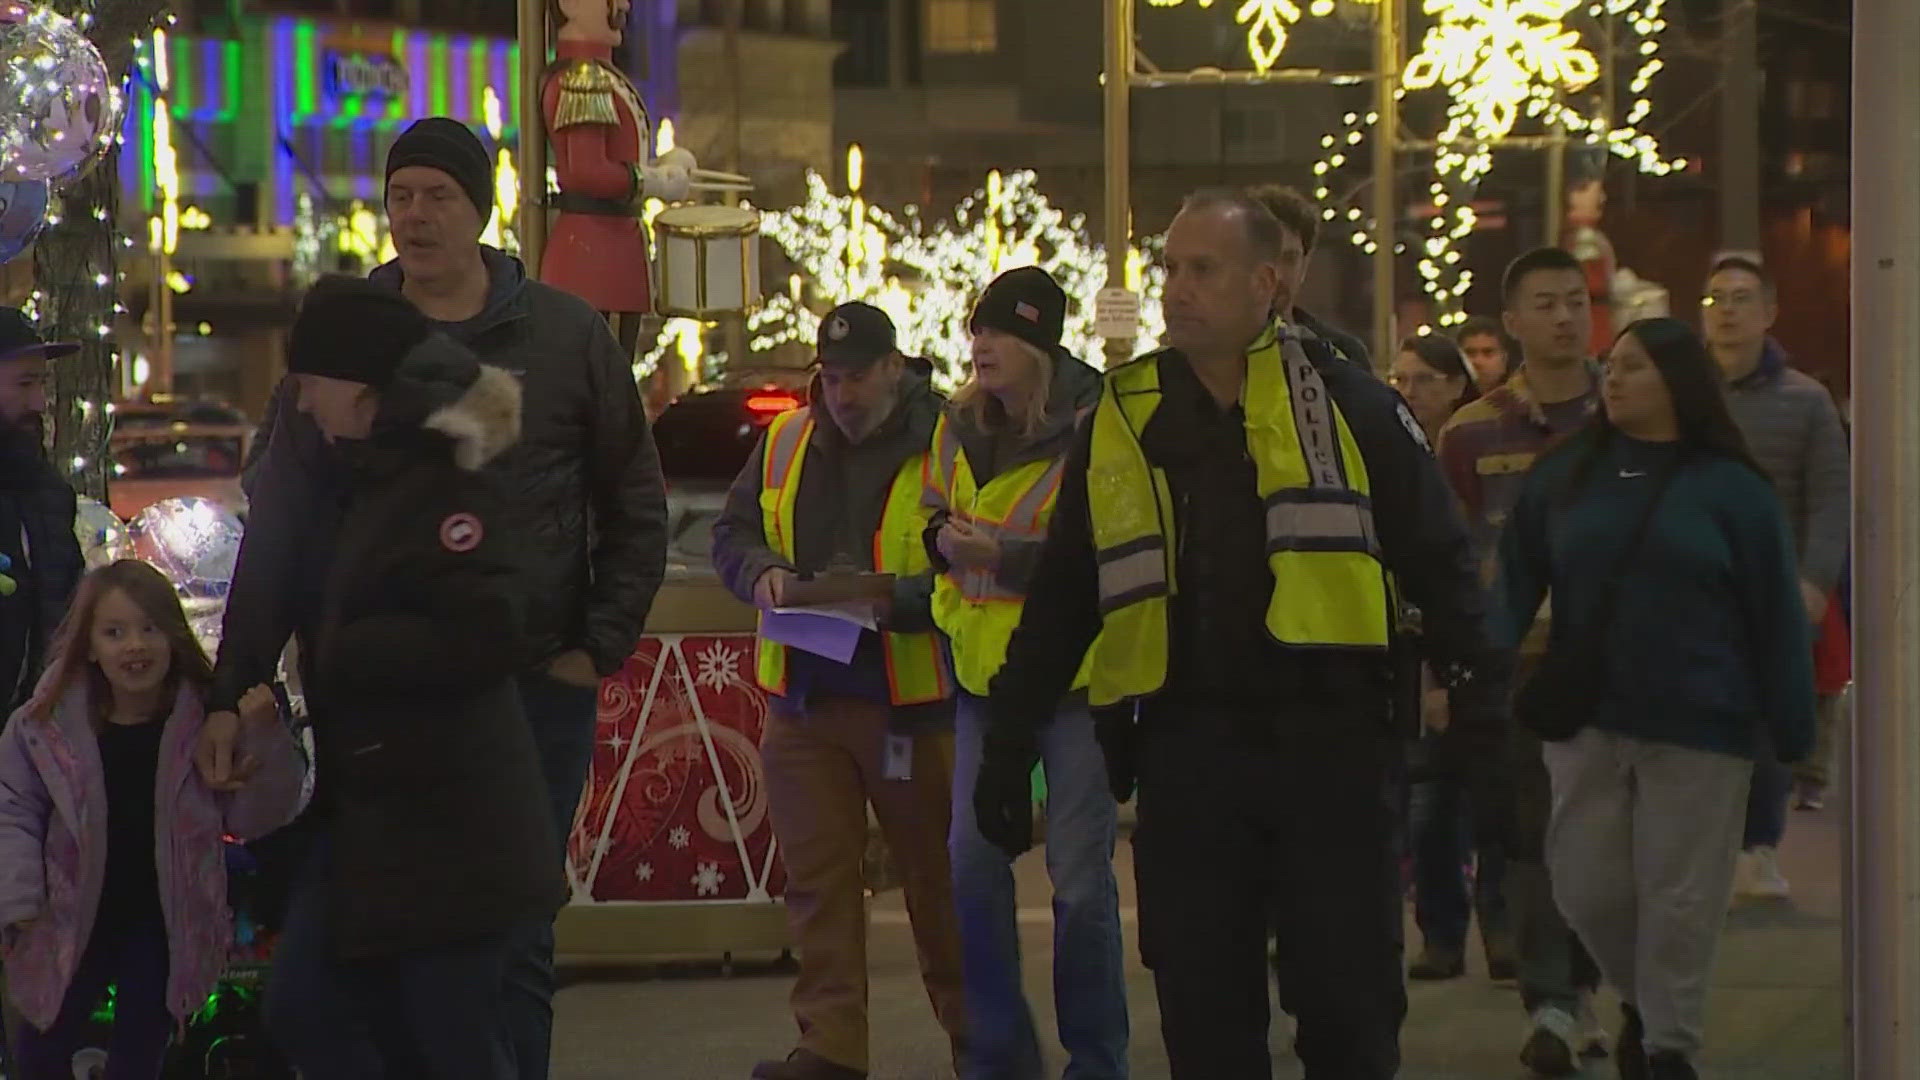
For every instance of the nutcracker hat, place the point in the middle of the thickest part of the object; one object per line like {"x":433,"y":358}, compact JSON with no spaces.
{"x":855,"y":335}
{"x":446,"y":144}
{"x":1026,"y":303}
{"x":19,"y":340}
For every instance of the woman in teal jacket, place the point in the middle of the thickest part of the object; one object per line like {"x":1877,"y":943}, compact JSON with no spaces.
{"x":1706,"y":662}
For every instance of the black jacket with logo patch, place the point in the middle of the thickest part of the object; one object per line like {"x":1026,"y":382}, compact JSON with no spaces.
{"x":428,"y":777}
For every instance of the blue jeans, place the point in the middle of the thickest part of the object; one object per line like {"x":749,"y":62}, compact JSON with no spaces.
{"x":563,"y":719}
{"x":425,"y":1014}
{"x":1089,"y":985}
{"x":1767,"y":799}
{"x":1440,"y":824}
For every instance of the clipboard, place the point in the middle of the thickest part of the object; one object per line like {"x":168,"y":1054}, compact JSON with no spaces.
{"x":836,"y":587}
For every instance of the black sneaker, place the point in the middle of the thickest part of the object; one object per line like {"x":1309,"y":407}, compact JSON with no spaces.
{"x":1670,"y":1065}
{"x":1630,"y":1052}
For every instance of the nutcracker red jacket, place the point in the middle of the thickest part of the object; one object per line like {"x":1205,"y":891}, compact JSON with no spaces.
{"x":427,"y":770}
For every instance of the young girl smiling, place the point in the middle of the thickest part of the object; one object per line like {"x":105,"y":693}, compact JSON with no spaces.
{"x":112,"y":864}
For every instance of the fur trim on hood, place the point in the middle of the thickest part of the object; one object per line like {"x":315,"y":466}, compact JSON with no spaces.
{"x":482,"y":422}
{"x":442,"y":387}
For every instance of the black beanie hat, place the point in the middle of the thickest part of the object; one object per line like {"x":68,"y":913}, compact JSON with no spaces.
{"x":349,"y":328}
{"x":450,"y":146}
{"x":1026,"y":303}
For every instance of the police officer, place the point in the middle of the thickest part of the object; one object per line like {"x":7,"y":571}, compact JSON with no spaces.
{"x":1237,"y":524}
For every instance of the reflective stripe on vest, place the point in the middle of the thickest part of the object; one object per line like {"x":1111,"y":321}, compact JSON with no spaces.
{"x":917,"y":668}
{"x":1329,"y":586}
{"x":977,"y":612}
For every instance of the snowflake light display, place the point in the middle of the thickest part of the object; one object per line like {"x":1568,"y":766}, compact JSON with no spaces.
{"x":926,"y":275}
{"x":1267,"y":23}
{"x":1539,"y":64}
{"x":1495,"y":56}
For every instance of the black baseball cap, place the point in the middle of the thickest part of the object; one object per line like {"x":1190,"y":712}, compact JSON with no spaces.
{"x":854,"y":335}
{"x":19,"y":340}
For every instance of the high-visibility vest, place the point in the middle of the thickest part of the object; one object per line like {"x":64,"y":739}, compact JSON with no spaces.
{"x":1330,"y":586}
{"x":917,"y":667}
{"x":976,"y":611}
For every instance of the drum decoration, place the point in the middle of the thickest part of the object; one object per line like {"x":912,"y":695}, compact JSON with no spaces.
{"x":708,"y":261}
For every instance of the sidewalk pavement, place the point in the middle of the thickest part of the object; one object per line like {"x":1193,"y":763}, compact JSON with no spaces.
{"x":1776,"y":1012}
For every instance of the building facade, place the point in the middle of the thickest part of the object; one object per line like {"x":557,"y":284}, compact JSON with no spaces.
{"x":260,"y":132}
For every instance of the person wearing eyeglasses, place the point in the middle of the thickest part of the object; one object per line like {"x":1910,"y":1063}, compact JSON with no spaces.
{"x":1794,"y":429}
{"x":1436,"y":380}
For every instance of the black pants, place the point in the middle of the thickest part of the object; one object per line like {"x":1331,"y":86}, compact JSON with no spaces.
{"x":1235,"y":834}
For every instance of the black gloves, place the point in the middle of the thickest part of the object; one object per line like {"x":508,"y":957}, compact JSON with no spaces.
{"x":1114,"y":728}
{"x":1003,"y":792}
{"x":1476,"y":748}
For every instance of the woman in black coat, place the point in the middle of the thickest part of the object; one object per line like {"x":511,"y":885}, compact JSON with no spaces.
{"x":436,"y":840}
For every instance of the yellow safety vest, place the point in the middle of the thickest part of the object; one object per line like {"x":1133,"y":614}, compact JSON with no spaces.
{"x":978,"y":613}
{"x":917,"y":669}
{"x":1330,"y":587}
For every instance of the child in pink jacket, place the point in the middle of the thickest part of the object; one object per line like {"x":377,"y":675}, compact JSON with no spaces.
{"x":112,"y":861}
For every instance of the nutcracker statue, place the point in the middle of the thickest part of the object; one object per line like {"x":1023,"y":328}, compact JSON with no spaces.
{"x":601,"y":141}
{"x":1586,"y":204}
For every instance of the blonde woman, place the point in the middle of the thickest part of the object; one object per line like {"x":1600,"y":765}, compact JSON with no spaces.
{"x":995,"y":469}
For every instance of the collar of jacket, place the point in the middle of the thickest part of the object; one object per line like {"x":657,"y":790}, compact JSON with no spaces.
{"x":1075,"y":388}
{"x":24,"y":466}
{"x":1515,"y":396}
{"x":506,"y":302}
{"x":1772,"y":365}
{"x":441,"y":389}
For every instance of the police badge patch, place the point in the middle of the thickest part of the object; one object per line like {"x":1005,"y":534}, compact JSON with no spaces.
{"x":837,"y":330}
{"x":1413,"y":427}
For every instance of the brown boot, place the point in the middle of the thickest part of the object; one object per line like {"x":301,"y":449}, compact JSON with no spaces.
{"x":1437,"y":963}
{"x":805,"y":1065}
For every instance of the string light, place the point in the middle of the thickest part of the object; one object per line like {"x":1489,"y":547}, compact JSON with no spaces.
{"x":927,"y":274}
{"x":1268,"y":24}
{"x":1496,"y":56}
{"x":1500,"y":60}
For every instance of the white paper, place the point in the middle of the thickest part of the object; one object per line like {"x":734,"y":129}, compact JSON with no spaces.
{"x":831,"y":631}
{"x":858,"y":612}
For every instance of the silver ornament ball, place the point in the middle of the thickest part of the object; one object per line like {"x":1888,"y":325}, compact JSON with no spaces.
{"x":62,"y":109}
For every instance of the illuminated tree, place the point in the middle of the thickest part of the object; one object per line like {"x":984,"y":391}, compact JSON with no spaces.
{"x":926,"y":274}
{"x":76,"y":267}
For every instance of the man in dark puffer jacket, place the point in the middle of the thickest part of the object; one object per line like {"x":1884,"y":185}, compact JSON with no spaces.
{"x":583,"y":490}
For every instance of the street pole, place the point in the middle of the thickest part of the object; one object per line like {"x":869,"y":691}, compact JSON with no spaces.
{"x":533,"y":134}
{"x":1119,"y":121}
{"x":1883,"y":894}
{"x":1556,"y":200}
{"x":1740,"y":128}
{"x":1386,"y":134}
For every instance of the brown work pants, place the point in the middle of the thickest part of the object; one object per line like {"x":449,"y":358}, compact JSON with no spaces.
{"x":822,"y":770}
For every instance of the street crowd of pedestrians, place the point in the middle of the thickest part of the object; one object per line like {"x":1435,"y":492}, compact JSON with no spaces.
{"x":1527,"y":632}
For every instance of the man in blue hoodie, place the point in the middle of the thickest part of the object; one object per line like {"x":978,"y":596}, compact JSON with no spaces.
{"x":583,"y":487}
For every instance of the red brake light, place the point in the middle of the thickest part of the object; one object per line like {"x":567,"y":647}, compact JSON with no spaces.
{"x":771,"y":403}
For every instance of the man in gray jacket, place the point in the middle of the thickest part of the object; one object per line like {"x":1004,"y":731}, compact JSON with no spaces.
{"x":837,"y":487}
{"x":1794,"y":431}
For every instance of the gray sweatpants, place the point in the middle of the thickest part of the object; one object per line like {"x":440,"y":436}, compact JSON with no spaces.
{"x":1641,"y":848}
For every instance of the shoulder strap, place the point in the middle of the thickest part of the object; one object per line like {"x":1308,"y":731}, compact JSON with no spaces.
{"x":1610,"y":590}
{"x":1638,"y":538}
